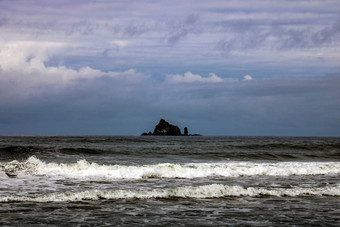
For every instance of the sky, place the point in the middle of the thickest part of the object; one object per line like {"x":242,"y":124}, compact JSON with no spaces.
{"x":218,"y":67}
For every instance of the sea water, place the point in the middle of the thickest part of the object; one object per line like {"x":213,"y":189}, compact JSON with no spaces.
{"x":86,"y":181}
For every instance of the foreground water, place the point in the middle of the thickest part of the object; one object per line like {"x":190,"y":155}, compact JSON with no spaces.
{"x":258,"y":181}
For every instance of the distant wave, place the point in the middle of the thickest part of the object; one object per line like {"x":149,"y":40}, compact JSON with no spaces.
{"x":272,"y":150}
{"x":290,"y":146}
{"x":84,"y":169}
{"x":200,"y":192}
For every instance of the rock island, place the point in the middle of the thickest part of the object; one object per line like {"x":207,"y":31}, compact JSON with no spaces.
{"x":164,"y":128}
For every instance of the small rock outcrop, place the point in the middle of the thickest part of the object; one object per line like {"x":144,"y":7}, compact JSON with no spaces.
{"x":147,"y":134}
{"x":164,"y":128}
{"x":186,"y":131}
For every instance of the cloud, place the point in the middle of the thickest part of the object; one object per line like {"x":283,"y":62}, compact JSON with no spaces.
{"x":120,"y":43}
{"x":201,"y":32}
{"x":247,"y":77}
{"x":181,"y":29}
{"x":23,"y":67}
{"x":105,"y":105}
{"x":189,"y":77}
{"x":75,"y":72}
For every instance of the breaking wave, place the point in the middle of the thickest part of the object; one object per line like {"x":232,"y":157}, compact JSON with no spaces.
{"x":200,"y":192}
{"x":84,"y":169}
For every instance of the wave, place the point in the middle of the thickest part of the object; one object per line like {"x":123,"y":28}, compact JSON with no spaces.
{"x":212,"y":148}
{"x":85,"y":169}
{"x":199,"y":192}
{"x":310,"y":146}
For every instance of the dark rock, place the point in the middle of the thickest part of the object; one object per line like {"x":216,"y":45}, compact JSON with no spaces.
{"x":186,"y":131}
{"x":147,"y":134}
{"x":164,"y":128}
{"x":195,"y":135}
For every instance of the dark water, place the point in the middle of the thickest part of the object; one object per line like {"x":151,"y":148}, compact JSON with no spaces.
{"x":86,"y":181}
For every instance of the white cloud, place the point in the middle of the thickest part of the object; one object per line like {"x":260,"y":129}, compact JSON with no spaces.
{"x":120,"y":43}
{"x":189,"y":77}
{"x":23,"y":65}
{"x":16,"y":55}
{"x":247,"y":77}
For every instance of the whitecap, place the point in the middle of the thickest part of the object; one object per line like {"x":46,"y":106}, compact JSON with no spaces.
{"x":190,"y":192}
{"x":86,"y":170}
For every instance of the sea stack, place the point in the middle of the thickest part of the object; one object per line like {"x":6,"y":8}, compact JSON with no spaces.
{"x":164,"y":128}
{"x":186,"y":131}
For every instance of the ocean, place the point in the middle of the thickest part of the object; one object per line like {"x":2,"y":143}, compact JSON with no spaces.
{"x":169,"y":181}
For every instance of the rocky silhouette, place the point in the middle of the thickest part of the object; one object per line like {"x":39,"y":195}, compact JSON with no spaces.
{"x":186,"y":131}
{"x":167,"y":129}
{"x":164,"y":128}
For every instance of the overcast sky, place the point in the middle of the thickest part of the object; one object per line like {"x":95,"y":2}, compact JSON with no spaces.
{"x":218,"y":67}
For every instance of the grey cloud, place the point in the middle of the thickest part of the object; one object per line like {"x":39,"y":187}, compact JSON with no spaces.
{"x":306,"y":38}
{"x":164,"y":37}
{"x":176,"y":37}
{"x":182,"y":29}
{"x":3,"y":21}
{"x":105,"y":53}
{"x":278,"y":37}
{"x":277,"y":7}
{"x":191,"y":19}
{"x":247,"y":40}
{"x":83,"y":27}
{"x":260,"y":27}
{"x":134,"y":29}
{"x":327,"y":35}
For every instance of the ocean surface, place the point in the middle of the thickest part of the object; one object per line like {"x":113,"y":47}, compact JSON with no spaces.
{"x":169,"y":181}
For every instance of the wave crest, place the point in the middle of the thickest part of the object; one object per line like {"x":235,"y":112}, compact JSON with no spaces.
{"x":85,"y":169}
{"x":200,"y":192}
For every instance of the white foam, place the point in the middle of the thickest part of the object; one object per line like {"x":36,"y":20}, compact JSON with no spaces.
{"x":84,"y":169}
{"x":206,"y":191}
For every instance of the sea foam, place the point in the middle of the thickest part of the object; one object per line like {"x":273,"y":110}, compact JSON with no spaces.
{"x":199,"y":192}
{"x":85,"y":169}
